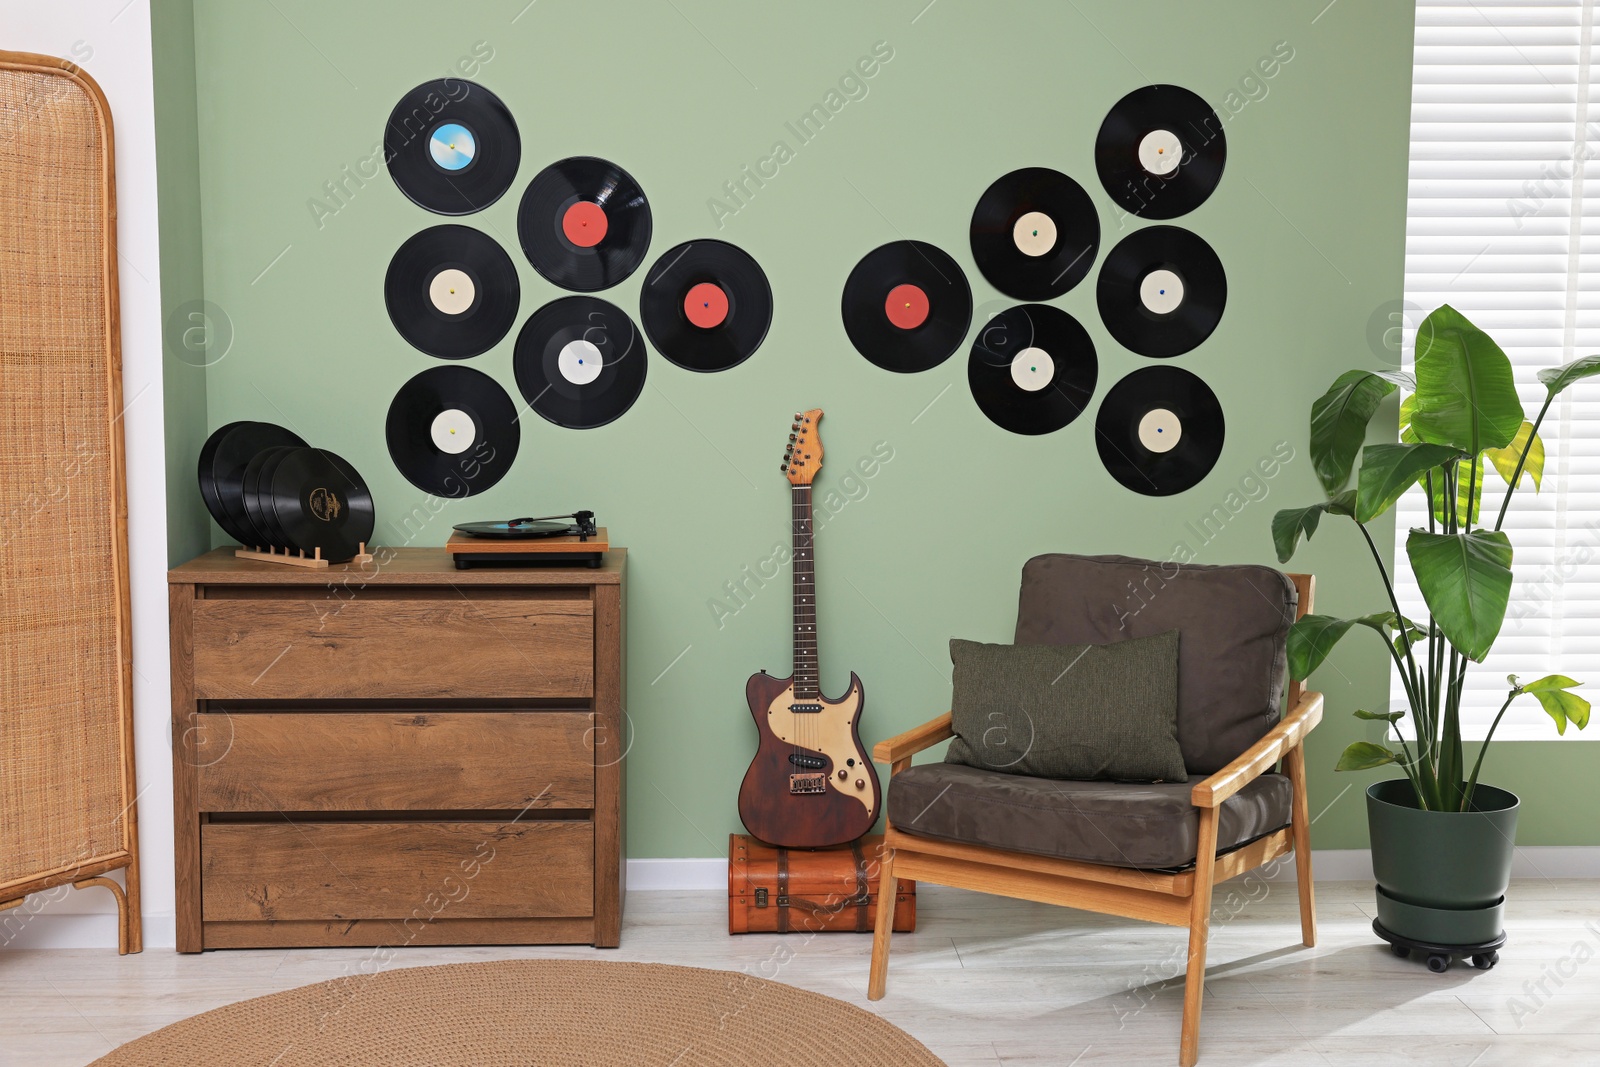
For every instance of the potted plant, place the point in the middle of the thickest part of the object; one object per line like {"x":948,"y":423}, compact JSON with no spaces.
{"x":1441,"y":841}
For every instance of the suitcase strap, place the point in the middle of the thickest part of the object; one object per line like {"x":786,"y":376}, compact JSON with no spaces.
{"x":862,"y":891}
{"x":783,"y":890}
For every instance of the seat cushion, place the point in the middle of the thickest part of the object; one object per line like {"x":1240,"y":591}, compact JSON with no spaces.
{"x":1123,"y":825}
{"x":1234,"y":622}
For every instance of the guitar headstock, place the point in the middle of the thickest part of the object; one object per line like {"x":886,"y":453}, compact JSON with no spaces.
{"x":802,"y":460}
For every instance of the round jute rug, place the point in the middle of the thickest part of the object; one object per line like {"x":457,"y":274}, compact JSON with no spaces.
{"x":532,"y":1012}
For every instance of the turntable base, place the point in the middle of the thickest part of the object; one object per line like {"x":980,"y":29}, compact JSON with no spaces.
{"x":567,"y":551}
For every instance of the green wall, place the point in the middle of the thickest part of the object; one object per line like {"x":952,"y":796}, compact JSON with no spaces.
{"x":1308,"y":221}
{"x":187,"y":341}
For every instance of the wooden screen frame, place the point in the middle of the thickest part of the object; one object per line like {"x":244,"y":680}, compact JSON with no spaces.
{"x":92,"y":870}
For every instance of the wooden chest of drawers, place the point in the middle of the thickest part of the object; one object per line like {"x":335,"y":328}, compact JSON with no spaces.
{"x":397,"y":753}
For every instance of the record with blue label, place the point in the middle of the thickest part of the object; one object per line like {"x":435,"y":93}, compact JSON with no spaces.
{"x":1032,"y":369}
{"x":580,"y":362}
{"x":452,"y":291}
{"x":452,"y":146}
{"x":1162,"y":291}
{"x":1160,"y":430}
{"x":453,"y":431}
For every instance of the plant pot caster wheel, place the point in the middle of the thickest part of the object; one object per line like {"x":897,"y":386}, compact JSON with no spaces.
{"x":1485,"y":960}
{"x":1440,"y":957}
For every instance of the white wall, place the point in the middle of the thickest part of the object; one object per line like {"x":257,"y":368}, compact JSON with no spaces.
{"x":110,"y":39}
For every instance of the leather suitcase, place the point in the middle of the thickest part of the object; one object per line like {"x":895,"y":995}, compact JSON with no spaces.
{"x":829,"y":890}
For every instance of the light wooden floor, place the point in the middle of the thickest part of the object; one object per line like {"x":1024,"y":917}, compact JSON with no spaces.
{"x":984,"y":981}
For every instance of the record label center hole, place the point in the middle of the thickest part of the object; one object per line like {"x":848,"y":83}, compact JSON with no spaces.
{"x":1160,"y":430}
{"x":579,"y":362}
{"x":452,"y":146}
{"x":1161,"y":292}
{"x":906,"y":306}
{"x":1160,"y":152}
{"x":1034,"y":233}
{"x":584,"y":224}
{"x":452,"y":291}
{"x":706,"y":305}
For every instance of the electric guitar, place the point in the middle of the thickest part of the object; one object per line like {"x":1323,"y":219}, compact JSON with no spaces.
{"x":811,"y":784}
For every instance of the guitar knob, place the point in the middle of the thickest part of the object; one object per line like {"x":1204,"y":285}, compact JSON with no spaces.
{"x":843,"y":775}
{"x":861,"y":783}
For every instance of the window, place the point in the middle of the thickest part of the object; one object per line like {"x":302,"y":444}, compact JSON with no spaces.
{"x":1503,"y":222}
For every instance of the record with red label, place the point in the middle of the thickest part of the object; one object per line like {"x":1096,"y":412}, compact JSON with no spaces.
{"x":580,"y":362}
{"x":706,"y":305}
{"x":1034,"y":233}
{"x":907,"y":306}
{"x":1159,"y":431}
{"x":1032,"y":369}
{"x":1162,"y":291}
{"x":453,"y":431}
{"x":318,"y":502}
{"x":584,"y":224}
{"x":452,"y":147}
{"x":452,"y":291}
{"x":1160,"y":151}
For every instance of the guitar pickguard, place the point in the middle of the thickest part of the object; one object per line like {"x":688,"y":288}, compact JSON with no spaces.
{"x":830,"y":731}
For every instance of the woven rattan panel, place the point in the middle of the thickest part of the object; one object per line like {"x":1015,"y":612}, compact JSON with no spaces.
{"x":62,"y":784}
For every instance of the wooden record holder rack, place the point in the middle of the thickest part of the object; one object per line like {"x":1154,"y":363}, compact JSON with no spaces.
{"x":468,"y":551}
{"x":299,"y":559}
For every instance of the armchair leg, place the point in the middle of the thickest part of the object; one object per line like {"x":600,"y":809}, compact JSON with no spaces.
{"x":1294,"y":765}
{"x":887,"y":885}
{"x":1194,"y":985}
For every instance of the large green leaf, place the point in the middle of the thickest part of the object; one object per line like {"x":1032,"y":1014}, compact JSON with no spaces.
{"x":1289,"y":524}
{"x":1562,"y":706}
{"x":1466,"y":581}
{"x":1556,"y":379}
{"x":1339,"y":420}
{"x":1389,"y":470}
{"x":1408,"y":407}
{"x":1363,"y":756}
{"x":1313,"y":637}
{"x":1466,"y":394}
{"x":1505,"y":459}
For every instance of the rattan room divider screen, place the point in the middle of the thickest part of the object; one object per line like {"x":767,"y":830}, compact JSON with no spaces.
{"x":67,"y":785}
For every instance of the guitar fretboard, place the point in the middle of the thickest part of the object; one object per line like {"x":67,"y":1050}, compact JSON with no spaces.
{"x":805,"y":597}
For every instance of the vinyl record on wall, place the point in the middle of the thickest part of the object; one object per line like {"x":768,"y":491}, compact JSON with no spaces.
{"x":1032,"y":369}
{"x":1159,"y":431}
{"x":318,"y":502}
{"x":223,"y":459}
{"x":1162,"y":291}
{"x":907,"y":306}
{"x":706,"y":305}
{"x":580,"y":362}
{"x":452,"y":291}
{"x":584,"y":223}
{"x":453,"y":431}
{"x":452,"y":146}
{"x":1034,"y":233}
{"x":1160,"y":151}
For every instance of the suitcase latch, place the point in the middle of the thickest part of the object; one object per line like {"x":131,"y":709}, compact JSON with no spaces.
{"x":761,"y":897}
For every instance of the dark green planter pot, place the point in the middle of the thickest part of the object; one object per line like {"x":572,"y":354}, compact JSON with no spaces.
{"x":1442,"y":875}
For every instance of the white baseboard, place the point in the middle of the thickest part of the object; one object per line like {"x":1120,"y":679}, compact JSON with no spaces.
{"x":70,"y":923}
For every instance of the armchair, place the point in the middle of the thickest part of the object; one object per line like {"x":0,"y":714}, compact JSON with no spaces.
{"x":1152,"y":852}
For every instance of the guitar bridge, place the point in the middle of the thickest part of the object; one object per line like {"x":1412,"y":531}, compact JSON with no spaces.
{"x":808,"y":783}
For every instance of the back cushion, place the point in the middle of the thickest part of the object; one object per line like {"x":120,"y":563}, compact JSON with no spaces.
{"x":1234,"y":621}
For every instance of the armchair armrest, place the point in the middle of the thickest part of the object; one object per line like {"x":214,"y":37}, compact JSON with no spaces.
{"x":1262,"y":755}
{"x":904,"y":746}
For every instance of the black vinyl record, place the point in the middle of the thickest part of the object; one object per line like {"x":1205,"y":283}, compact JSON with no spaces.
{"x":706,"y":305}
{"x":515,"y":530}
{"x":452,"y":146}
{"x":584,"y":223}
{"x":452,"y":431}
{"x":452,"y":291}
{"x":1159,"y":430}
{"x":257,"y":496}
{"x":1032,"y":369}
{"x":580,"y":362}
{"x":319,"y":502}
{"x":223,"y":459}
{"x":1034,"y":233}
{"x":1160,"y":151}
{"x":1162,"y":291}
{"x":907,"y":306}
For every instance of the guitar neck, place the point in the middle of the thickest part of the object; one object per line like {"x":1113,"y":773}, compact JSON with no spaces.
{"x":805,"y":596}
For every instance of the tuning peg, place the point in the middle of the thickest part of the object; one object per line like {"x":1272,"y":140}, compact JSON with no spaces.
{"x":784,"y":468}
{"x":791,"y":437}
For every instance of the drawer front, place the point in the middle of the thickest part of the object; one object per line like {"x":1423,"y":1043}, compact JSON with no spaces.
{"x":271,"y":649}
{"x":422,"y":871}
{"x":395,"y":761}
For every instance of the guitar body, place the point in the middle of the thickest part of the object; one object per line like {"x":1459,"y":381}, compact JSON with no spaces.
{"x":824,"y":742}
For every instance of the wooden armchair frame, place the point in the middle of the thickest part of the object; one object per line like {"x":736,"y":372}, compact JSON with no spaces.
{"x":1181,"y":899}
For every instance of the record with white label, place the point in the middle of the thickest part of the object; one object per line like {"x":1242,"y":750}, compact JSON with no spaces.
{"x":1160,"y":151}
{"x":452,"y":147}
{"x":1159,"y":430}
{"x":907,"y":306}
{"x":580,"y":362}
{"x":1032,"y":369}
{"x":453,"y":431}
{"x":319,"y":503}
{"x":452,"y":291}
{"x":1034,"y":233}
{"x":706,"y":305}
{"x":584,"y":223}
{"x":1161,"y":291}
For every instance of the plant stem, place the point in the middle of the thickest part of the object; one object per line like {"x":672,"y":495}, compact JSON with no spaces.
{"x":1410,"y":675}
{"x":1523,"y":459}
{"x":1472,"y":783}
